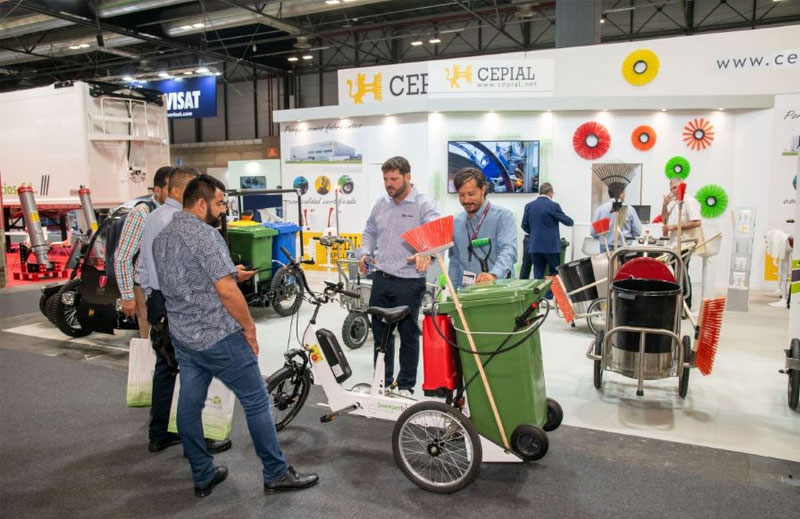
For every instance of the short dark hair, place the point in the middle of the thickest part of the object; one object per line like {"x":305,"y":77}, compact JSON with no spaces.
{"x":464,"y":175}
{"x":545,"y":188}
{"x":161,"y":178}
{"x":615,"y":190}
{"x":397,"y":163}
{"x":181,"y":176}
{"x":204,"y":186}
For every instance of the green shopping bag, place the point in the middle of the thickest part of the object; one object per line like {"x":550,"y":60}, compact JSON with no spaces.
{"x":141,"y":364}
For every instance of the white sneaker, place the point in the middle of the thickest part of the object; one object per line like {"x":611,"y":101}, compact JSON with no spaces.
{"x":405,"y":393}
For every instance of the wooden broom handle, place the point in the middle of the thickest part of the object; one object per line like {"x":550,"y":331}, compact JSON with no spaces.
{"x":477,"y":357}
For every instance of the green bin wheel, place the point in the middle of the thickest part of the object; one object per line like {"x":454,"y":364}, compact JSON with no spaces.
{"x":683,"y":384}
{"x":554,"y":415}
{"x":530,"y":442}
{"x":598,"y":365}
{"x":793,"y":391}
{"x":437,"y":447}
{"x":287,"y":292}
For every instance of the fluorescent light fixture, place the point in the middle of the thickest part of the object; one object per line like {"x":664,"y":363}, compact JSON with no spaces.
{"x":202,"y":70}
{"x":548,"y":110}
{"x":127,"y":79}
{"x":434,"y":41}
{"x":602,"y":20}
{"x":332,"y":2}
{"x":416,"y":43}
{"x":308,"y":56}
{"x":663,"y":109}
{"x":186,"y":27}
{"x":605,"y":109}
{"x":163,"y":74}
{"x":187,"y":73}
{"x":721,"y":109}
{"x":293,"y":58}
{"x":84,"y":45}
{"x":198,"y":25}
{"x":217,"y":73}
{"x":74,"y":47}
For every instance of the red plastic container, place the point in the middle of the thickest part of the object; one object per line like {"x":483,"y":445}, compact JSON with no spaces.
{"x":438,"y":357}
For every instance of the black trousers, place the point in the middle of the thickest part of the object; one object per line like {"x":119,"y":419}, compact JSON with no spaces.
{"x":525,"y":268}
{"x":389,"y":291}
{"x":164,"y":373}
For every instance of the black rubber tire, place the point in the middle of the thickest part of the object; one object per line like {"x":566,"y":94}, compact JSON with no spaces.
{"x":793,"y":390}
{"x":598,"y":366}
{"x":355,"y":330}
{"x":554,"y":415}
{"x":49,"y":310}
{"x":43,"y":304}
{"x":683,"y":385}
{"x":529,"y":442}
{"x":64,"y":316}
{"x":467,"y":427}
{"x":288,"y":390}
{"x":596,"y":306}
{"x":287,"y":293}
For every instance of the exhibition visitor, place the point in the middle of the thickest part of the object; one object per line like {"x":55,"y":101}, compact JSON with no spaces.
{"x":616,"y":211}
{"x":691,"y":227}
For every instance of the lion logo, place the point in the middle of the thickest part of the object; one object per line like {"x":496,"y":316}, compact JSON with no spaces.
{"x":362,"y":88}
{"x":454,"y":74}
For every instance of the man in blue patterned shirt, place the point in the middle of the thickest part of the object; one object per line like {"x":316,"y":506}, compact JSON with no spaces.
{"x":214,"y":336}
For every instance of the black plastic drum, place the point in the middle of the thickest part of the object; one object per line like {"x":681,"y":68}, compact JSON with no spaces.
{"x":575,"y":275}
{"x":645,"y":303}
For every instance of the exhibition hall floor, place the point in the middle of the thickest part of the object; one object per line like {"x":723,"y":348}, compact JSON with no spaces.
{"x":70,"y":448}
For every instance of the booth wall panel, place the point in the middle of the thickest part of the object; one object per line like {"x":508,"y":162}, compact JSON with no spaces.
{"x":214,"y":127}
{"x":241,"y":116}
{"x":184,"y":130}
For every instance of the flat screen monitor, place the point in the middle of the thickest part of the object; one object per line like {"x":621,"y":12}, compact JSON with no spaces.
{"x":509,"y":166}
{"x":643,"y":212}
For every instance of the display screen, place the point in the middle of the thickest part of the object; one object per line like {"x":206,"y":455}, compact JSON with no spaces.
{"x":509,"y":166}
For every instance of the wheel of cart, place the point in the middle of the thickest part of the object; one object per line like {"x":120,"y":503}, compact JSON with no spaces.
{"x":356,"y":326}
{"x":644,"y":322}
{"x":793,"y":370}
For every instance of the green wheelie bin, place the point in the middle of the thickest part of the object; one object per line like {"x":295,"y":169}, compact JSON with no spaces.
{"x":515,"y":376}
{"x":252,"y":247}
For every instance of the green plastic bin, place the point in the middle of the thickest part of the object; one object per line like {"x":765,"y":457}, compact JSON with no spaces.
{"x":252,"y":247}
{"x":516,"y":376}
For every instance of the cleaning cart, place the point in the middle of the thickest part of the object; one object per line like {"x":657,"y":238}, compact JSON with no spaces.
{"x":644,"y":321}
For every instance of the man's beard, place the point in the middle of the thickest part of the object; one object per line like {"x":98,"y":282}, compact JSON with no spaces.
{"x":399,"y":191}
{"x":213,"y":221}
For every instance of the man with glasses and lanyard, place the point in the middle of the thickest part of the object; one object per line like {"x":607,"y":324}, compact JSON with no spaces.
{"x":481,"y":219}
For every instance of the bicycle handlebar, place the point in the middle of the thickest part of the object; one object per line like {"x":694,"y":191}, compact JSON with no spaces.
{"x":336,"y":288}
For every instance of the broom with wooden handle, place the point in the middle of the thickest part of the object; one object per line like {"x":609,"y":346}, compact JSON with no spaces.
{"x":431,"y":239}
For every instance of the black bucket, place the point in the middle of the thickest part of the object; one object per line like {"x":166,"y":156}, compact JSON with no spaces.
{"x":575,"y":275}
{"x":646,"y":303}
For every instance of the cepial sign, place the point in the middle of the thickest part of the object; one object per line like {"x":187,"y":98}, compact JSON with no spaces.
{"x":383,"y":84}
{"x":190,"y":97}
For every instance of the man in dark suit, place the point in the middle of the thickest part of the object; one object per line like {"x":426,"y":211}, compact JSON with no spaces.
{"x":540,"y":221}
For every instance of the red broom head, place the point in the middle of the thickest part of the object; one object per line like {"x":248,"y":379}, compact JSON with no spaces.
{"x":681,"y":191}
{"x":432,"y":237}
{"x":710,"y":324}
{"x":657,"y":219}
{"x":602,"y":226}
{"x":562,"y":299}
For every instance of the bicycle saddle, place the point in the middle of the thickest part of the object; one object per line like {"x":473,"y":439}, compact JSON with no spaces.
{"x":390,"y":315}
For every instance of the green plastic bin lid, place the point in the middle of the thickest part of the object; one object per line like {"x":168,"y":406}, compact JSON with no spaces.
{"x":254,"y":230}
{"x":501,"y":292}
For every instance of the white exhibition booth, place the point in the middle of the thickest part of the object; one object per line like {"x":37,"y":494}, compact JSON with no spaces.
{"x":742,"y":87}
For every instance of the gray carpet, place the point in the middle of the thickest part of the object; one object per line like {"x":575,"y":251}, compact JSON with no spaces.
{"x":70,"y":448}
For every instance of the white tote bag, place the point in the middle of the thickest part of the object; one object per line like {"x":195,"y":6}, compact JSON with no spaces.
{"x":217,"y":414}
{"x":141,"y":364}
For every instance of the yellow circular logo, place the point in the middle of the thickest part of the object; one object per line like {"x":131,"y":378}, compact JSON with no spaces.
{"x":640,"y":67}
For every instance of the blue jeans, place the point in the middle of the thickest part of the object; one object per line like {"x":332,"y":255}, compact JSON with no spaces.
{"x":232,"y":361}
{"x":541,"y":261}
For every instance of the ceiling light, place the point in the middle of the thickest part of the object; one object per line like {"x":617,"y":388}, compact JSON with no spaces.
{"x":186,"y":27}
{"x":663,"y":109}
{"x":605,"y":109}
{"x":187,"y":73}
{"x":217,"y":73}
{"x":163,"y":74}
{"x":416,"y":43}
{"x":84,"y":45}
{"x":127,"y":79}
{"x":308,"y":56}
{"x":602,"y":20}
{"x":202,"y":70}
{"x":198,"y":25}
{"x":74,"y":47}
{"x":348,"y":1}
{"x":435,"y":40}
{"x":721,"y":109}
{"x":387,"y":115}
{"x":293,"y":58}
{"x":332,"y":2}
